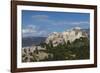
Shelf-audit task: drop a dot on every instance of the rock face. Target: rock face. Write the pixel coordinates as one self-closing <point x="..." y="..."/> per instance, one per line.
<point x="70" y="35"/>
<point x="30" y="54"/>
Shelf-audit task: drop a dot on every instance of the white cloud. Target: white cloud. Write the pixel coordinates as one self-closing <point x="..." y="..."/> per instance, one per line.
<point x="32" y="30"/>
<point x="31" y="26"/>
<point x="70" y="23"/>
<point x="81" y="22"/>
<point x="42" y="33"/>
<point x="29" y="29"/>
<point x="40" y="17"/>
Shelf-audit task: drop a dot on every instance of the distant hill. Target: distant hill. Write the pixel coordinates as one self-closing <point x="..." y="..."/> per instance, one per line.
<point x="29" y="41"/>
<point x="87" y="31"/>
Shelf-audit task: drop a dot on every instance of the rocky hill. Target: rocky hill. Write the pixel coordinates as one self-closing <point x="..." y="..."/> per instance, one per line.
<point x="71" y="44"/>
<point x="63" y="37"/>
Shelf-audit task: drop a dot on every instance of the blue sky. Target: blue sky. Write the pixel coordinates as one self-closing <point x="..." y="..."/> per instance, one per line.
<point x="42" y="23"/>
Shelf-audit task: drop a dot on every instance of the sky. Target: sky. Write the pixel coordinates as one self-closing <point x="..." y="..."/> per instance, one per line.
<point x="42" y="23"/>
